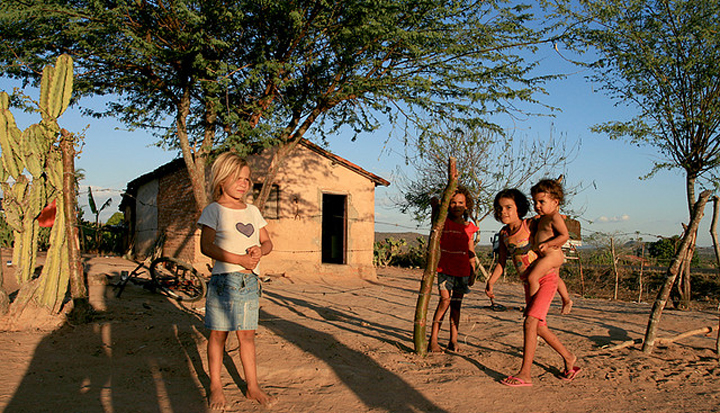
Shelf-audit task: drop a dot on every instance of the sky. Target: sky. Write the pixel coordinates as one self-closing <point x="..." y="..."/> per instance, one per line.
<point x="615" y="201"/>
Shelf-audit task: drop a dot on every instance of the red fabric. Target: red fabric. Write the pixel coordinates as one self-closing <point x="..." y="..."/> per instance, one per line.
<point x="47" y="216"/>
<point x="454" y="243"/>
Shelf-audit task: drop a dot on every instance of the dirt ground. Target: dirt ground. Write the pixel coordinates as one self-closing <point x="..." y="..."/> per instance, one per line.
<point x="327" y="345"/>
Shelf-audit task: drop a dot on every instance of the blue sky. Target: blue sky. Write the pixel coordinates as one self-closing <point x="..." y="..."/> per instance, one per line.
<point x="615" y="201"/>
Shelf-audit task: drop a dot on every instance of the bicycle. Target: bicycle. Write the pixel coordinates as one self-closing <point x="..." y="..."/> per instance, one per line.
<point x="170" y="276"/>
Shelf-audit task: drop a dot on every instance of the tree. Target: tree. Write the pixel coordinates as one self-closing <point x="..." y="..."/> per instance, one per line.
<point x="96" y="211"/>
<point x="488" y="161"/>
<point x="660" y="57"/>
<point x="250" y="74"/>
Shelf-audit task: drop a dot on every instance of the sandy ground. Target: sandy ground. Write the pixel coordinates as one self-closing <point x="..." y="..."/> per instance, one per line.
<point x="346" y="346"/>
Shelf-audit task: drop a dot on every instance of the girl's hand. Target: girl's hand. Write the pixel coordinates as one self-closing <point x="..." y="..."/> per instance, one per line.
<point x="248" y="261"/>
<point x="489" y="291"/>
<point x="255" y="252"/>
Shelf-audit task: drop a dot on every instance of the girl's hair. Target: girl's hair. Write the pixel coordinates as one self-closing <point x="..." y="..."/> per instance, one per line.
<point x="469" y="202"/>
<point x="227" y="166"/>
<point x="551" y="187"/>
<point x="521" y="202"/>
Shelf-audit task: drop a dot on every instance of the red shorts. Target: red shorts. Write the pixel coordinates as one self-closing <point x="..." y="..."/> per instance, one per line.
<point x="539" y="305"/>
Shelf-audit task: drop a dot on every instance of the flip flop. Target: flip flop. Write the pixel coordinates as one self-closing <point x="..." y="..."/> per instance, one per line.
<point x="496" y="307"/>
<point x="512" y="381"/>
<point x="569" y="375"/>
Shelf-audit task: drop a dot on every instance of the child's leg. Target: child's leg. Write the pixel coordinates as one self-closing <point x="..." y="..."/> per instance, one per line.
<point x="541" y="266"/>
<point x="550" y="338"/>
<point x="216" y="351"/>
<point x="567" y="303"/>
<point x="247" y="356"/>
<point x="442" y="307"/>
<point x="530" y="334"/>
<point x="455" y="304"/>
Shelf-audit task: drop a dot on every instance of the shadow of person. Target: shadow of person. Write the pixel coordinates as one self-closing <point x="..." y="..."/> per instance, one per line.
<point x="136" y="356"/>
<point x="354" y="368"/>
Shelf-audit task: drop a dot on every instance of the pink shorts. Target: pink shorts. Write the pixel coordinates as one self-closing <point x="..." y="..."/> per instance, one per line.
<point x="539" y="305"/>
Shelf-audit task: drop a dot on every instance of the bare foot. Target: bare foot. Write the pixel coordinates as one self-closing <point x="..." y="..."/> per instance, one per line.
<point x="435" y="348"/>
<point x="566" y="307"/>
<point x="569" y="364"/>
<point x="217" y="399"/>
<point x="454" y="347"/>
<point x="261" y="397"/>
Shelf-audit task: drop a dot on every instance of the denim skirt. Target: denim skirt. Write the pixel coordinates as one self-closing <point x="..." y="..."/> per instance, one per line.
<point x="233" y="302"/>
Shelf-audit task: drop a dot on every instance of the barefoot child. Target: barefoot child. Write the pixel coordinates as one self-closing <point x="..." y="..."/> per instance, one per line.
<point x="550" y="231"/>
<point x="233" y="234"/>
<point x="457" y="264"/>
<point x="510" y="207"/>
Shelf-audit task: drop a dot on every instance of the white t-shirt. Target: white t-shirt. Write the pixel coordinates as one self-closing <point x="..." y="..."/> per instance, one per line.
<point x="236" y="230"/>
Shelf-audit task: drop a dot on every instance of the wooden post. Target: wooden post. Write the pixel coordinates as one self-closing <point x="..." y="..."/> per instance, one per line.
<point x="433" y="256"/>
<point x="672" y="273"/>
<point x="81" y="304"/>
<point x="615" y="269"/>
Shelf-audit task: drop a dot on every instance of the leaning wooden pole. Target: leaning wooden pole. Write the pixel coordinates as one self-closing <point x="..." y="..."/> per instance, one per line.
<point x="713" y="234"/>
<point x="433" y="256"/>
<point x="672" y="273"/>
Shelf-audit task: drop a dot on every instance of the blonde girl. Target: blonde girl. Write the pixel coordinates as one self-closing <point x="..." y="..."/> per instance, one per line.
<point x="233" y="234"/>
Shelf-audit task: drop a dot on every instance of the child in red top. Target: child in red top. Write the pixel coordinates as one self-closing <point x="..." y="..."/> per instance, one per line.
<point x="456" y="267"/>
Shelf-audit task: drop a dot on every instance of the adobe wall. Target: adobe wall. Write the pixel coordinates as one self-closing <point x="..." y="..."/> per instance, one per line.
<point x="178" y="215"/>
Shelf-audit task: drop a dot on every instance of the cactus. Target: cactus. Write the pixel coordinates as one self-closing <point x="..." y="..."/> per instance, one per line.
<point x="36" y="151"/>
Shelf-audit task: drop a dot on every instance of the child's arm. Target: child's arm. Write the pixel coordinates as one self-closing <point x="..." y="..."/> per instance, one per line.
<point x="266" y="245"/>
<point x="497" y="271"/>
<point x="472" y="255"/>
<point x="561" y="234"/>
<point x="208" y="247"/>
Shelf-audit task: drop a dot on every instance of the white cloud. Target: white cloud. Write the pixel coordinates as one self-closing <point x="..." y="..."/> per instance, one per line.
<point x="621" y="218"/>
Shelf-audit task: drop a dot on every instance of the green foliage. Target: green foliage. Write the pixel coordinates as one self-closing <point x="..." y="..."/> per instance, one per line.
<point x="387" y="250"/>
<point x="397" y="252"/>
<point x="664" y="249"/>
<point x="250" y="74"/>
<point x="115" y="219"/>
<point x="659" y="57"/>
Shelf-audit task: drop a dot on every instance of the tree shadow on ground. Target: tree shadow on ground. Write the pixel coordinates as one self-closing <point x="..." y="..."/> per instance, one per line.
<point x="135" y="356"/>
<point x="353" y="367"/>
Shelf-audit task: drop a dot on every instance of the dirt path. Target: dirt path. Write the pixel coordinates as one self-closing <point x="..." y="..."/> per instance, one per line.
<point x="325" y="345"/>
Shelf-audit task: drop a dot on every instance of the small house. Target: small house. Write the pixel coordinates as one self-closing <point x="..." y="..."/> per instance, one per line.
<point x="320" y="214"/>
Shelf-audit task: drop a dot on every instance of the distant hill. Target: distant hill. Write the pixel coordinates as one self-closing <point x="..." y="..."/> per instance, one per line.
<point x="409" y="237"/>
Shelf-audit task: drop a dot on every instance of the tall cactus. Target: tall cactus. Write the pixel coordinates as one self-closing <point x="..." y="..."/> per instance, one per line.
<point x="31" y="177"/>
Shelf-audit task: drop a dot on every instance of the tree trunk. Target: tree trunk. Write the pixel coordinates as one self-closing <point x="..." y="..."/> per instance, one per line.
<point x="195" y="162"/>
<point x="81" y="304"/>
<point x="713" y="231"/>
<point x="433" y="256"/>
<point x="640" y="276"/>
<point x="4" y="298"/>
<point x="713" y="234"/>
<point x="683" y="286"/>
<point x="671" y="274"/>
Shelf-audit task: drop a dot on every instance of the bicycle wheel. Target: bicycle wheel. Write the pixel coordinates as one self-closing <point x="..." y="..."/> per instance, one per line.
<point x="177" y="279"/>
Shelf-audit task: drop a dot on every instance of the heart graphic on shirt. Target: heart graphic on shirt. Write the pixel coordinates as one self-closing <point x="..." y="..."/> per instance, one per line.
<point x="245" y="229"/>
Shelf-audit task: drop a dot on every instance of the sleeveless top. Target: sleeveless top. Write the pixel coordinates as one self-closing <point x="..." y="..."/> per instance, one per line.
<point x="519" y="246"/>
<point x="454" y="242"/>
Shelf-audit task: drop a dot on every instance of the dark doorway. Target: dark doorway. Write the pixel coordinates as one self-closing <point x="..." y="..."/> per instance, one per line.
<point x="333" y="228"/>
